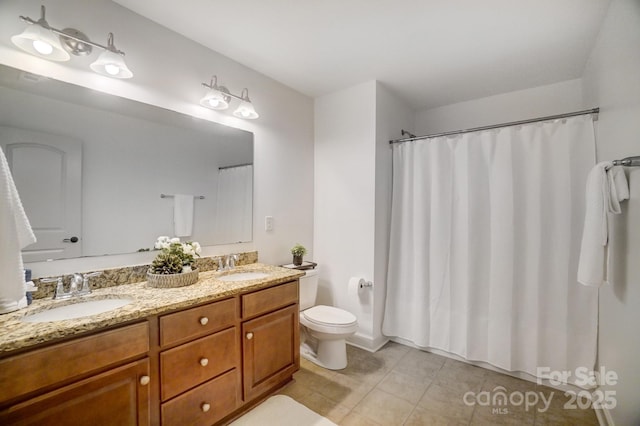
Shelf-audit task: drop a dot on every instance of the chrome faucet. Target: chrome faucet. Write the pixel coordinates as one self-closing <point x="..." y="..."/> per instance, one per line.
<point x="229" y="262"/>
<point x="79" y="285"/>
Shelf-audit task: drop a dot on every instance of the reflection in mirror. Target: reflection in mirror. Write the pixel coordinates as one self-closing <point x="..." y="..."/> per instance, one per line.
<point x="91" y="168"/>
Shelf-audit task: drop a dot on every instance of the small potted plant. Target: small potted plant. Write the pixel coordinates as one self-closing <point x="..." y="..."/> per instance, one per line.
<point x="173" y="266"/>
<point x="298" y="251"/>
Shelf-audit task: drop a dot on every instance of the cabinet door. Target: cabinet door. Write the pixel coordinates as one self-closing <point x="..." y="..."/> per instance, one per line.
<point x="271" y="352"/>
<point x="116" y="397"/>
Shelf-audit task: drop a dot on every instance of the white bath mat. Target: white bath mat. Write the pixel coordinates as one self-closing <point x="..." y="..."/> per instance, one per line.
<point x="280" y="410"/>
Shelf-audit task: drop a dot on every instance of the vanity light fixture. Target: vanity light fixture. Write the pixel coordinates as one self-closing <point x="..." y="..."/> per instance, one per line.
<point x="218" y="98"/>
<point x="44" y="41"/>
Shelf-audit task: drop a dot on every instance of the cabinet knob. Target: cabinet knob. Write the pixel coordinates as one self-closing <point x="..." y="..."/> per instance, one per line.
<point x="204" y="362"/>
<point x="205" y="407"/>
<point x="204" y="320"/>
<point x="144" y="380"/>
<point x="249" y="335"/>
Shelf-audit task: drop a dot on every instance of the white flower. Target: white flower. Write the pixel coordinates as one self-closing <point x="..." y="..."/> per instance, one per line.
<point x="196" y="247"/>
<point x="162" y="242"/>
<point x="174" y="240"/>
<point x="187" y="249"/>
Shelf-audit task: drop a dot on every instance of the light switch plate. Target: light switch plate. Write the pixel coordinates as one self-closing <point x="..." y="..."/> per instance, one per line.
<point x="268" y="223"/>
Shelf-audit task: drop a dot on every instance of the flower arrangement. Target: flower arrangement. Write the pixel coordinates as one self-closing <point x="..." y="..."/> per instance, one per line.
<point x="175" y="256"/>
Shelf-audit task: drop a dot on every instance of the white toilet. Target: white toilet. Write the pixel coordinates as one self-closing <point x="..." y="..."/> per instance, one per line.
<point x="323" y="328"/>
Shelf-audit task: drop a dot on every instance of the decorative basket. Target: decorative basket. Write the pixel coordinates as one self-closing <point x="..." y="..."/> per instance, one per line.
<point x="172" y="280"/>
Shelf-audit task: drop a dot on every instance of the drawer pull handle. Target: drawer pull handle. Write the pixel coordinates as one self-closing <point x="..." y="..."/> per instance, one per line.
<point x="204" y="320"/>
<point x="205" y="407"/>
<point x="144" y="380"/>
<point x="249" y="336"/>
<point x="204" y="362"/>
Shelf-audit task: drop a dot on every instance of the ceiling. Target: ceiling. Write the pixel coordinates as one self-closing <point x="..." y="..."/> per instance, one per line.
<point x="429" y="52"/>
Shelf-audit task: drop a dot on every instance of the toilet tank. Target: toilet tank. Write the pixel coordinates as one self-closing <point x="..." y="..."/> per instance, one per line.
<point x="308" y="289"/>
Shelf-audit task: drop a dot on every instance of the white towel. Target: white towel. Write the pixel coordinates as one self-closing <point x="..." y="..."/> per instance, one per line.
<point x="606" y="187"/>
<point x="183" y="215"/>
<point x="15" y="234"/>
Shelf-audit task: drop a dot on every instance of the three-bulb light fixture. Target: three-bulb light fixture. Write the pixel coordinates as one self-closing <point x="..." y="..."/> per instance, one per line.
<point x="44" y="41"/>
<point x="218" y="98"/>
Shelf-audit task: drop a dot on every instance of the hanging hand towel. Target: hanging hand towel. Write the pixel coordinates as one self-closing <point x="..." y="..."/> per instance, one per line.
<point x="183" y="215"/>
<point x="606" y="188"/>
<point x="15" y="234"/>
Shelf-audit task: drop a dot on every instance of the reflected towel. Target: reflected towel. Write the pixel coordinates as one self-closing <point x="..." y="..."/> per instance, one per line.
<point x="15" y="234"/>
<point x="606" y="187"/>
<point x="183" y="215"/>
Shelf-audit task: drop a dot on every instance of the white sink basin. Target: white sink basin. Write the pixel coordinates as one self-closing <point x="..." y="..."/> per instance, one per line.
<point x="244" y="276"/>
<point x="77" y="310"/>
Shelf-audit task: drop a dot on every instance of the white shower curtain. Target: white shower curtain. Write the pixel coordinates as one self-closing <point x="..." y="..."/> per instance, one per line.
<point x="485" y="234"/>
<point x="234" y="211"/>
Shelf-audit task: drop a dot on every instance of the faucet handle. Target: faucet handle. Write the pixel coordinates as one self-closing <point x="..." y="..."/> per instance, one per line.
<point x="220" y="264"/>
<point x="59" y="292"/>
<point x="86" y="289"/>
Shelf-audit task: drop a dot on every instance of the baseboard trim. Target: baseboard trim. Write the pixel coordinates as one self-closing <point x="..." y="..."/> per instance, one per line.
<point x="365" y="342"/>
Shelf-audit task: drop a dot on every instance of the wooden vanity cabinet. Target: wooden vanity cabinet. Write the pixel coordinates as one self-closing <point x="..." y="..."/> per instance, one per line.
<point x="198" y="366"/>
<point x="200" y="377"/>
<point x="271" y="340"/>
<point x="99" y="379"/>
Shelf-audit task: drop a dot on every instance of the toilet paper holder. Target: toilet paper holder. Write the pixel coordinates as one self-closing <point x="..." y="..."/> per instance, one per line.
<point x="362" y="283"/>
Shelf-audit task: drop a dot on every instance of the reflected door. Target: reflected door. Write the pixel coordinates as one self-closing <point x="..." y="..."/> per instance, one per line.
<point x="47" y="172"/>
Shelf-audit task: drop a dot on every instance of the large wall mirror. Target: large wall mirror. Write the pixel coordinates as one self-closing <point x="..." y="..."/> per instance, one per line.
<point x="99" y="174"/>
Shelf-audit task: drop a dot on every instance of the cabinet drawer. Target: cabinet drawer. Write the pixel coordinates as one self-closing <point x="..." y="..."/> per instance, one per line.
<point x="205" y="404"/>
<point x="190" y="364"/>
<point x="269" y="299"/>
<point x="41" y="368"/>
<point x="195" y="322"/>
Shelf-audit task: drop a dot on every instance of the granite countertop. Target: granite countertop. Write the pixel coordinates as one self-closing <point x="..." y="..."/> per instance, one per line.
<point x="147" y="301"/>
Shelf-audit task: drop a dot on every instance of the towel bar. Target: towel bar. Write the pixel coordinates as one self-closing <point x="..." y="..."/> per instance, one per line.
<point x="199" y="197"/>
<point x="629" y="161"/>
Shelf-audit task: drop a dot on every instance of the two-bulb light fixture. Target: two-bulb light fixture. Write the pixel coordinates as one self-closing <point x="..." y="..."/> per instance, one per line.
<point x="44" y="41"/>
<point x="218" y="98"/>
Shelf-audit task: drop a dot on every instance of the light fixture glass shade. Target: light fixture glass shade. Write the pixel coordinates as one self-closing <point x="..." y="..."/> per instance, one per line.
<point x="246" y="110"/>
<point x="41" y="42"/>
<point x="214" y="99"/>
<point x="111" y="64"/>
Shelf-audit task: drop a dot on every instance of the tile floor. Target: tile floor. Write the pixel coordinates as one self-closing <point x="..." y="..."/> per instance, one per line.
<point x="399" y="385"/>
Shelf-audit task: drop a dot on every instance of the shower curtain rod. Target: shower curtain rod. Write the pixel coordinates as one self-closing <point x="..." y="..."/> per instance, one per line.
<point x="495" y="126"/>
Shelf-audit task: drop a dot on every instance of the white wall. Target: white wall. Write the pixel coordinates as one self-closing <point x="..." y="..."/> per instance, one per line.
<point x="536" y="102"/>
<point x="392" y="115"/>
<point x="168" y="70"/>
<point x="344" y="227"/>
<point x="352" y="197"/>
<point x="612" y="81"/>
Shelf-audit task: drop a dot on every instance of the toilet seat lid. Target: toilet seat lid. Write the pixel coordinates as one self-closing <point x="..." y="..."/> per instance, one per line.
<point x="329" y="315"/>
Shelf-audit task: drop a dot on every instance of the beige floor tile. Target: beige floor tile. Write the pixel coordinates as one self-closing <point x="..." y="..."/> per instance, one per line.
<point x="380" y="389"/>
<point x="409" y="388"/>
<point x="423" y="417"/>
<point x="511" y="384"/>
<point x="460" y="376"/>
<point x="368" y="370"/>
<point x="384" y="408"/>
<point x="295" y="390"/>
<point x="325" y="407"/>
<point x="355" y="419"/>
<point x="391" y="353"/>
<point x="345" y="390"/>
<point x="446" y="401"/>
<point x="420" y="363"/>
